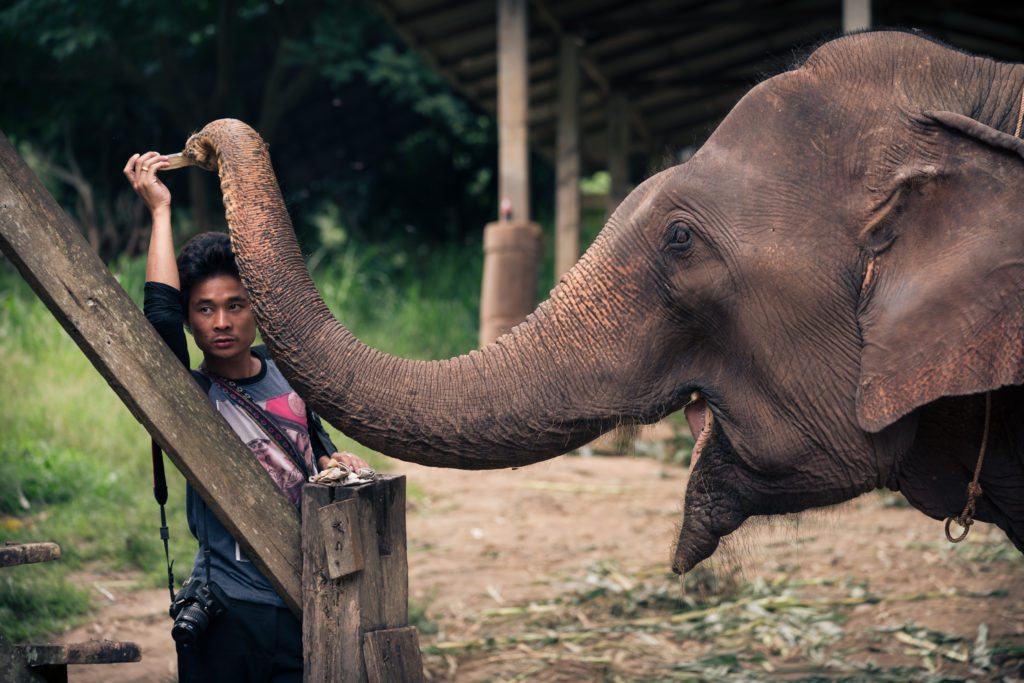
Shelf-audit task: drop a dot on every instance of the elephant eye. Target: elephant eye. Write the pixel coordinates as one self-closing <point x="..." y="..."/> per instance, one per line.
<point x="680" y="238"/>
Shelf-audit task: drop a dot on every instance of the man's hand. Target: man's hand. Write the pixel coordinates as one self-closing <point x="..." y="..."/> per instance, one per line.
<point x="350" y="460"/>
<point x="141" y="173"/>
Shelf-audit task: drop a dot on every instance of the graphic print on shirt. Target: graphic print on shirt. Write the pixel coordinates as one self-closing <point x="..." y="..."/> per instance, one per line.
<point x="282" y="410"/>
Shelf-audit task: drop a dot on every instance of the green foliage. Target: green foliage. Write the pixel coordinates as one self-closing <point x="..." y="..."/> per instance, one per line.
<point x="35" y="600"/>
<point x="34" y="473"/>
<point x="351" y="114"/>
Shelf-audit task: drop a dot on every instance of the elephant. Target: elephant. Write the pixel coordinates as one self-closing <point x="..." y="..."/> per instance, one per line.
<point x="831" y="287"/>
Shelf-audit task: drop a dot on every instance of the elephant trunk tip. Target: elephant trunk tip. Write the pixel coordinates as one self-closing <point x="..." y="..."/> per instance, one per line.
<point x="693" y="547"/>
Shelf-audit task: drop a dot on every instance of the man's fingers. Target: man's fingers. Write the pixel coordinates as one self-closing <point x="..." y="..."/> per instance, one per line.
<point x="153" y="167"/>
<point x="129" y="168"/>
<point x="351" y="460"/>
<point x="142" y="163"/>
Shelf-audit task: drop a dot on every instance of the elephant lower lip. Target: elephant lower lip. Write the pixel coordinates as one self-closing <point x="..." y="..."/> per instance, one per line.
<point x="699" y="419"/>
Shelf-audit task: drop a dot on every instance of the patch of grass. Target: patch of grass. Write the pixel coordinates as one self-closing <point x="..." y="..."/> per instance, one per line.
<point x="418" y="617"/>
<point x="36" y="600"/>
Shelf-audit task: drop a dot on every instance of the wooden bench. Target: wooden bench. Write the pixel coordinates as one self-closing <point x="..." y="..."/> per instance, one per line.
<point x="48" y="662"/>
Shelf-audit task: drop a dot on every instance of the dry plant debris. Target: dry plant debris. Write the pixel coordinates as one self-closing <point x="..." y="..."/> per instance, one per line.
<point x="609" y="624"/>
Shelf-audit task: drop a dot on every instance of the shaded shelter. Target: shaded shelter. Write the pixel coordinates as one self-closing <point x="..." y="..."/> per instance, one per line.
<point x="630" y="86"/>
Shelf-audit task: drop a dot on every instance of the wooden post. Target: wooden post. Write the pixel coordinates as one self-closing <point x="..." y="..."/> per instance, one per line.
<point x="53" y="257"/>
<point x="508" y="291"/>
<point x="513" y="103"/>
<point x="512" y="245"/>
<point x="355" y="581"/>
<point x="618" y="149"/>
<point x="567" y="199"/>
<point x="856" y="15"/>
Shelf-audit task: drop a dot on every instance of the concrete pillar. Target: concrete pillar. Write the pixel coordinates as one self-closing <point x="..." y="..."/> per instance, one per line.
<point x="567" y="197"/>
<point x="856" y="15"/>
<point x="511" y="245"/>
<point x="618" y="149"/>
<point x="509" y="290"/>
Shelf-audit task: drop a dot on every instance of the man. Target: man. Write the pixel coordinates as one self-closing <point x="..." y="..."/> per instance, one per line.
<point x="258" y="638"/>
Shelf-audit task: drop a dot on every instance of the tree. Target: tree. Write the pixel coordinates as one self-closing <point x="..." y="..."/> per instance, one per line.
<point x="351" y="116"/>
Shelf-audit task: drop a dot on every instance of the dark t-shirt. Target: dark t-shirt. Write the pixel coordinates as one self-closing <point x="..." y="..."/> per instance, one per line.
<point x="229" y="567"/>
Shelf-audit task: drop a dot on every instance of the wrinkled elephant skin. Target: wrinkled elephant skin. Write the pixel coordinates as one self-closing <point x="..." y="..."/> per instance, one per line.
<point x="831" y="285"/>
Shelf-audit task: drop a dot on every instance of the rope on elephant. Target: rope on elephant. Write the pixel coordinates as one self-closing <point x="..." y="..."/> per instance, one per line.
<point x="1020" y="115"/>
<point x="966" y="518"/>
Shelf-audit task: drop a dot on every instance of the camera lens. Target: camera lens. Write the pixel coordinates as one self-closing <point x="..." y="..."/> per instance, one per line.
<point x="190" y="624"/>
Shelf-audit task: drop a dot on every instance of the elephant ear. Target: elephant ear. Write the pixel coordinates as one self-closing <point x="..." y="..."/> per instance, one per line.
<point x="942" y="307"/>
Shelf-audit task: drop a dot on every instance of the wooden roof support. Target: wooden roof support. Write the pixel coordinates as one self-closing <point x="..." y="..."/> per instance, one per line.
<point x="513" y="102"/>
<point x="567" y="159"/>
<point x="53" y="257"/>
<point x="618" y="150"/>
<point x="590" y="68"/>
<point x="856" y="15"/>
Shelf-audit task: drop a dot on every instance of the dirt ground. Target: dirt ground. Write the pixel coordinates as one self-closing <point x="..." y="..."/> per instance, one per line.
<point x="559" y="572"/>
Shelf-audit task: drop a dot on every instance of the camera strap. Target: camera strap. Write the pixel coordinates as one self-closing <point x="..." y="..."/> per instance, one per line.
<point x="243" y="400"/>
<point x="160" y="493"/>
<point x="204" y="540"/>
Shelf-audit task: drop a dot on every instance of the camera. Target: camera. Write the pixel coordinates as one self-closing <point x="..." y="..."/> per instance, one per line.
<point x="193" y="607"/>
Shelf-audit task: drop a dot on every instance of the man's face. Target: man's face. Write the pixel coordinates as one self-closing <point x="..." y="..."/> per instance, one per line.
<point x="221" y="318"/>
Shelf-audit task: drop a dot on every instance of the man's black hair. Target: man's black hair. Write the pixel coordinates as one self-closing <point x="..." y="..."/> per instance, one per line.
<point x="206" y="255"/>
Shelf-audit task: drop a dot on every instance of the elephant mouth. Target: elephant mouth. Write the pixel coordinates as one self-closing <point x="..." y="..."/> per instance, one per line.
<point x="700" y="420"/>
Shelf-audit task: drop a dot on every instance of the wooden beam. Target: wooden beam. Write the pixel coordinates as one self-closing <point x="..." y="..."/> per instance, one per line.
<point x="618" y="150"/>
<point x="14" y="554"/>
<point x="567" y="160"/>
<point x="53" y="257"/>
<point x="513" y="100"/>
<point x="856" y="15"/>
<point x="591" y="68"/>
<point x="91" y="652"/>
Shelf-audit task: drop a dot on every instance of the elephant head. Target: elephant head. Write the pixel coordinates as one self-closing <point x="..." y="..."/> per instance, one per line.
<point x="844" y="254"/>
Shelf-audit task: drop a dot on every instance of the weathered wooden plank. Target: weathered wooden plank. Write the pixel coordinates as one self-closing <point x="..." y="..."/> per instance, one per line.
<point x="393" y="655"/>
<point x="13" y="554"/>
<point x="49" y="663"/>
<point x="330" y="623"/>
<point x="338" y="612"/>
<point x="13" y="668"/>
<point x="342" y="543"/>
<point x="91" y="652"/>
<point x="392" y="544"/>
<point x="53" y="257"/>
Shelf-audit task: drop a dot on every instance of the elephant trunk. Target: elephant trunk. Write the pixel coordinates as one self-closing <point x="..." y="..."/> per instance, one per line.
<point x="555" y="382"/>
